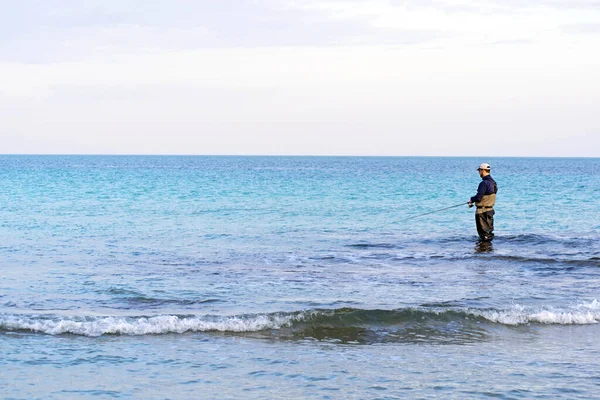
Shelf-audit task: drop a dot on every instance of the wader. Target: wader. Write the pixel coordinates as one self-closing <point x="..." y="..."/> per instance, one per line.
<point x="484" y="217"/>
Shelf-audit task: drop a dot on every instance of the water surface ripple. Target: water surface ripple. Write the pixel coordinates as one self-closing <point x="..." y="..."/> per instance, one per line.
<point x="296" y="277"/>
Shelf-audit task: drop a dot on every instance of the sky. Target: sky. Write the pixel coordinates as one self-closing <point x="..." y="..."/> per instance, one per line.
<point x="301" y="77"/>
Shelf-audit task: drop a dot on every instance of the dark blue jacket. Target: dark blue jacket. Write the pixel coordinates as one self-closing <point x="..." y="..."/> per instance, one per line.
<point x="487" y="186"/>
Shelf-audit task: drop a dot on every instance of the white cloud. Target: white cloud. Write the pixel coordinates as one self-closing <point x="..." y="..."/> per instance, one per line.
<point x="481" y="72"/>
<point x="374" y="100"/>
<point x="461" y="21"/>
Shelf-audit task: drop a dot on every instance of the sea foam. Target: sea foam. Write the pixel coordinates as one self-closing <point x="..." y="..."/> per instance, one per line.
<point x="161" y="324"/>
<point x="585" y="313"/>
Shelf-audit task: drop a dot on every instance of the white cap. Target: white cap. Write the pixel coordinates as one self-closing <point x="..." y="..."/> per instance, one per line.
<point x="485" y="166"/>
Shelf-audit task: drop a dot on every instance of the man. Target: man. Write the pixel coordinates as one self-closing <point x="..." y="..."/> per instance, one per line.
<point x="485" y="200"/>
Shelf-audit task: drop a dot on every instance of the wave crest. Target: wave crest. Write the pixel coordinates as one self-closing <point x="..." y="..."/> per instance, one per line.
<point x="155" y="325"/>
<point x="340" y="323"/>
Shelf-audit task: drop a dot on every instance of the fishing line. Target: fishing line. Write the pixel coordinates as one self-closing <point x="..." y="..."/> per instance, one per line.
<point x="434" y="211"/>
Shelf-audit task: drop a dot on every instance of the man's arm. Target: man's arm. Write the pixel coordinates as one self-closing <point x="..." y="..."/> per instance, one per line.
<point x="480" y="193"/>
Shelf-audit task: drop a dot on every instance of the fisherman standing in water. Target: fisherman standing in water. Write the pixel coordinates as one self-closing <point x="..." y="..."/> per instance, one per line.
<point x="485" y="200"/>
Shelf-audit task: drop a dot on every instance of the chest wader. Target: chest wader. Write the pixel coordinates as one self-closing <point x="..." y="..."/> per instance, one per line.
<point x="484" y="217"/>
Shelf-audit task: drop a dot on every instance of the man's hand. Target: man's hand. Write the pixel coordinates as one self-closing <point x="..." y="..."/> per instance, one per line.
<point x="470" y="204"/>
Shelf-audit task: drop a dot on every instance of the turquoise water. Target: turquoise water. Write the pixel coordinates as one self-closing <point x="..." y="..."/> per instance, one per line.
<point x="296" y="277"/>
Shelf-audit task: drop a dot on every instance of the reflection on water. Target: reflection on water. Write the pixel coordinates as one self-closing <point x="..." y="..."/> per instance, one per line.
<point x="438" y="334"/>
<point x="484" y="247"/>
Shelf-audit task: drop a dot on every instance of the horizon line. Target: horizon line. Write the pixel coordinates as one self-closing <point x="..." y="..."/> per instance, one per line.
<point x="278" y="155"/>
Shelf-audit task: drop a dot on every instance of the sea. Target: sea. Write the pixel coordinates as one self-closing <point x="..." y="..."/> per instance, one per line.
<point x="231" y="277"/>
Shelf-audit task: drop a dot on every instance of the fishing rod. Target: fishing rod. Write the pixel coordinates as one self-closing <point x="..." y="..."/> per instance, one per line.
<point x="431" y="212"/>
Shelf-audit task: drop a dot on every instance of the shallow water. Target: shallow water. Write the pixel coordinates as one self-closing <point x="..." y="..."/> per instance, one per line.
<point x="296" y="277"/>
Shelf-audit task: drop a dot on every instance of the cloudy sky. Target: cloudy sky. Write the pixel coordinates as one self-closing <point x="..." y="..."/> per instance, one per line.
<point x="339" y="77"/>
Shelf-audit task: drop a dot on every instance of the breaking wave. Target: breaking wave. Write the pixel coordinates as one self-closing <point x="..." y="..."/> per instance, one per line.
<point x="345" y="324"/>
<point x="153" y="325"/>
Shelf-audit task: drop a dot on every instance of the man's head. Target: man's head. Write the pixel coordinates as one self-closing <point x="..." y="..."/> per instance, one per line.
<point x="484" y="169"/>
